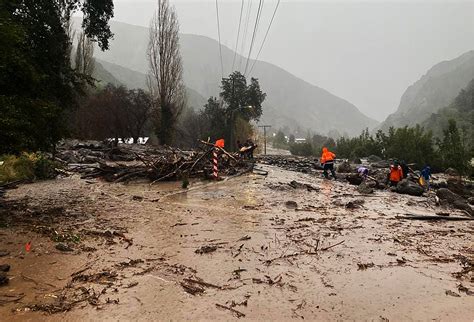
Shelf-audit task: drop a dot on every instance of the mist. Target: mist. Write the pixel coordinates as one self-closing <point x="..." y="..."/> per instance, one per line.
<point x="365" y="52"/>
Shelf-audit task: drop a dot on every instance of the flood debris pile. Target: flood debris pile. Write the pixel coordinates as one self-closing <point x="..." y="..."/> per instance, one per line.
<point x="130" y="162"/>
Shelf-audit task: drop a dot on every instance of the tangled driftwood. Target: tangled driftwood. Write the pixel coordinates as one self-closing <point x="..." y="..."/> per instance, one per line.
<point x="154" y="164"/>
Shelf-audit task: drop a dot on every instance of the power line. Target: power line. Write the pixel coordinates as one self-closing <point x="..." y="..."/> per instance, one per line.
<point x="253" y="35"/>
<point x="238" y="35"/>
<point x="265" y="38"/>
<point x="244" y="38"/>
<point x="219" y="34"/>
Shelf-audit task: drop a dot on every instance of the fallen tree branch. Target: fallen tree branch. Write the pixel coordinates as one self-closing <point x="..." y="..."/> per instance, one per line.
<point x="433" y="218"/>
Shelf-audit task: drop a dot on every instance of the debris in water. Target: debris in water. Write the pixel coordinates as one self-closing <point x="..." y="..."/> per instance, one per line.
<point x="206" y="249"/>
<point x="364" y="266"/>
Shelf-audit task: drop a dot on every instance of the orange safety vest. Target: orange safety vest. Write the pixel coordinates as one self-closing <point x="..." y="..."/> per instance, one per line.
<point x="327" y="156"/>
<point x="396" y="173"/>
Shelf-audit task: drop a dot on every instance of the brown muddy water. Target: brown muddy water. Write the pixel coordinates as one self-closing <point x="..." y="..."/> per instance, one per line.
<point x="251" y="247"/>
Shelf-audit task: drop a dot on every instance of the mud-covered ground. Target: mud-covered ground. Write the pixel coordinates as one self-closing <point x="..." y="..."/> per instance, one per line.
<point x="251" y="247"/>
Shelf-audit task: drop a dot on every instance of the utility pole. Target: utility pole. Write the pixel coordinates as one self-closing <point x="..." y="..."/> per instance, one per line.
<point x="265" y="137"/>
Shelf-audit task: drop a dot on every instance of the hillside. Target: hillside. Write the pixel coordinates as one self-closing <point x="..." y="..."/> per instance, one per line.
<point x="461" y="110"/>
<point x="118" y="75"/>
<point x="103" y="76"/>
<point x="290" y="101"/>
<point x="435" y="90"/>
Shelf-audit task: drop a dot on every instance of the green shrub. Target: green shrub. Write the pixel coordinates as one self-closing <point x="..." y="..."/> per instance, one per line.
<point x="26" y="166"/>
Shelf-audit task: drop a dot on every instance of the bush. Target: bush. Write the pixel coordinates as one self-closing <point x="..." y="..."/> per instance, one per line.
<point x="27" y="166"/>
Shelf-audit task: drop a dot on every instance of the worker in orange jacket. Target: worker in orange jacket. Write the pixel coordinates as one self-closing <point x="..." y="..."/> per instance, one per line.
<point x="327" y="161"/>
<point x="396" y="173"/>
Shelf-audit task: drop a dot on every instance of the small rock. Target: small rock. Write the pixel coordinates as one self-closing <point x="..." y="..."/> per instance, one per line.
<point x="291" y="204"/>
<point x="354" y="204"/>
<point x="470" y="200"/>
<point x="3" y="278"/>
<point x="137" y="198"/>
<point x="4" y="253"/>
<point x="4" y="268"/>
<point x="356" y="161"/>
<point x="354" y="179"/>
<point x="363" y="188"/>
<point x="344" y="167"/>
<point x="64" y="247"/>
<point x="364" y="266"/>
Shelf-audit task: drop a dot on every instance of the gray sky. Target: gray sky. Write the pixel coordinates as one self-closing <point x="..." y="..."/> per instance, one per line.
<point x="367" y="52"/>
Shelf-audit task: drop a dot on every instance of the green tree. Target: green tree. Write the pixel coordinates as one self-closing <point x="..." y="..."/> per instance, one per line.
<point x="37" y="82"/>
<point x="279" y="140"/>
<point x="240" y="103"/>
<point x="454" y="153"/>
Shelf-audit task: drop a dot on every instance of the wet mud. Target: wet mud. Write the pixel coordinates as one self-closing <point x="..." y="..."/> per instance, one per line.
<point x="251" y="247"/>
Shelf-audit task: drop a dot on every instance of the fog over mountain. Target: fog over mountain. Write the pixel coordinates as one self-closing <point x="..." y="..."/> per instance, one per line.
<point x="434" y="90"/>
<point x="291" y="101"/>
<point x="365" y="52"/>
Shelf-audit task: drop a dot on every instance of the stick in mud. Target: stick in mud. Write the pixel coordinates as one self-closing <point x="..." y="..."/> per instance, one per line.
<point x="237" y="313"/>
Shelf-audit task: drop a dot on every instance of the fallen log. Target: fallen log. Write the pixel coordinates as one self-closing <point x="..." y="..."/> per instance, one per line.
<point x="433" y="218"/>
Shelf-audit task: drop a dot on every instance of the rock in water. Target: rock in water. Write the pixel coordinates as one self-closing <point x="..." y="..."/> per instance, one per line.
<point x="451" y="172"/>
<point x="344" y="167"/>
<point x="3" y="278"/>
<point x="4" y="268"/>
<point x="448" y="195"/>
<point x="381" y="164"/>
<point x="409" y="188"/>
<point x="374" y="158"/>
<point x="291" y="204"/>
<point x="363" y="188"/>
<point x="471" y="201"/>
<point x="354" y="179"/>
<point x="455" y="200"/>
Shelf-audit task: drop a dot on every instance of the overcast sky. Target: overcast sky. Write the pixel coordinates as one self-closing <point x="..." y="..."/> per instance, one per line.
<point x="367" y="52"/>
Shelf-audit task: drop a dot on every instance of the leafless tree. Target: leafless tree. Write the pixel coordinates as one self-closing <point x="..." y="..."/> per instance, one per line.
<point x="165" y="77"/>
<point x="84" y="60"/>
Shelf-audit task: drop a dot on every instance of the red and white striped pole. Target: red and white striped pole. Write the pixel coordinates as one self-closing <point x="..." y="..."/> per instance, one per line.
<point x="214" y="163"/>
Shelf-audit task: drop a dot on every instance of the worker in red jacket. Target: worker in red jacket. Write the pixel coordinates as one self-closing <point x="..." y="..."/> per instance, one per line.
<point x="327" y="161"/>
<point x="396" y="173"/>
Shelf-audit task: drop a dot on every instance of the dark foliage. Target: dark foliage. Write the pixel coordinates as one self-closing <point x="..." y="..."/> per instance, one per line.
<point x="37" y="83"/>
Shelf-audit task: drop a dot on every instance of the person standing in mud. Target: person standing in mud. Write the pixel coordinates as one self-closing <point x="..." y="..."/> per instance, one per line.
<point x="426" y="175"/>
<point x="396" y="173"/>
<point x="327" y="161"/>
<point x="405" y="169"/>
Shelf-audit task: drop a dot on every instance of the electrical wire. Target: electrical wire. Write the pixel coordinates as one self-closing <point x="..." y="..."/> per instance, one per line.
<point x="219" y="35"/>
<point x="244" y="38"/>
<point x="265" y="38"/>
<point x="238" y="35"/>
<point x="253" y="35"/>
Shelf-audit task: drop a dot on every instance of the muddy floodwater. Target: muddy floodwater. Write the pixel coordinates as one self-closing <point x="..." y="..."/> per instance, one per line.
<point x="251" y="247"/>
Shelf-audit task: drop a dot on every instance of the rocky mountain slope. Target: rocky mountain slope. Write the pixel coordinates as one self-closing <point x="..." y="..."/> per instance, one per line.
<point x="433" y="91"/>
